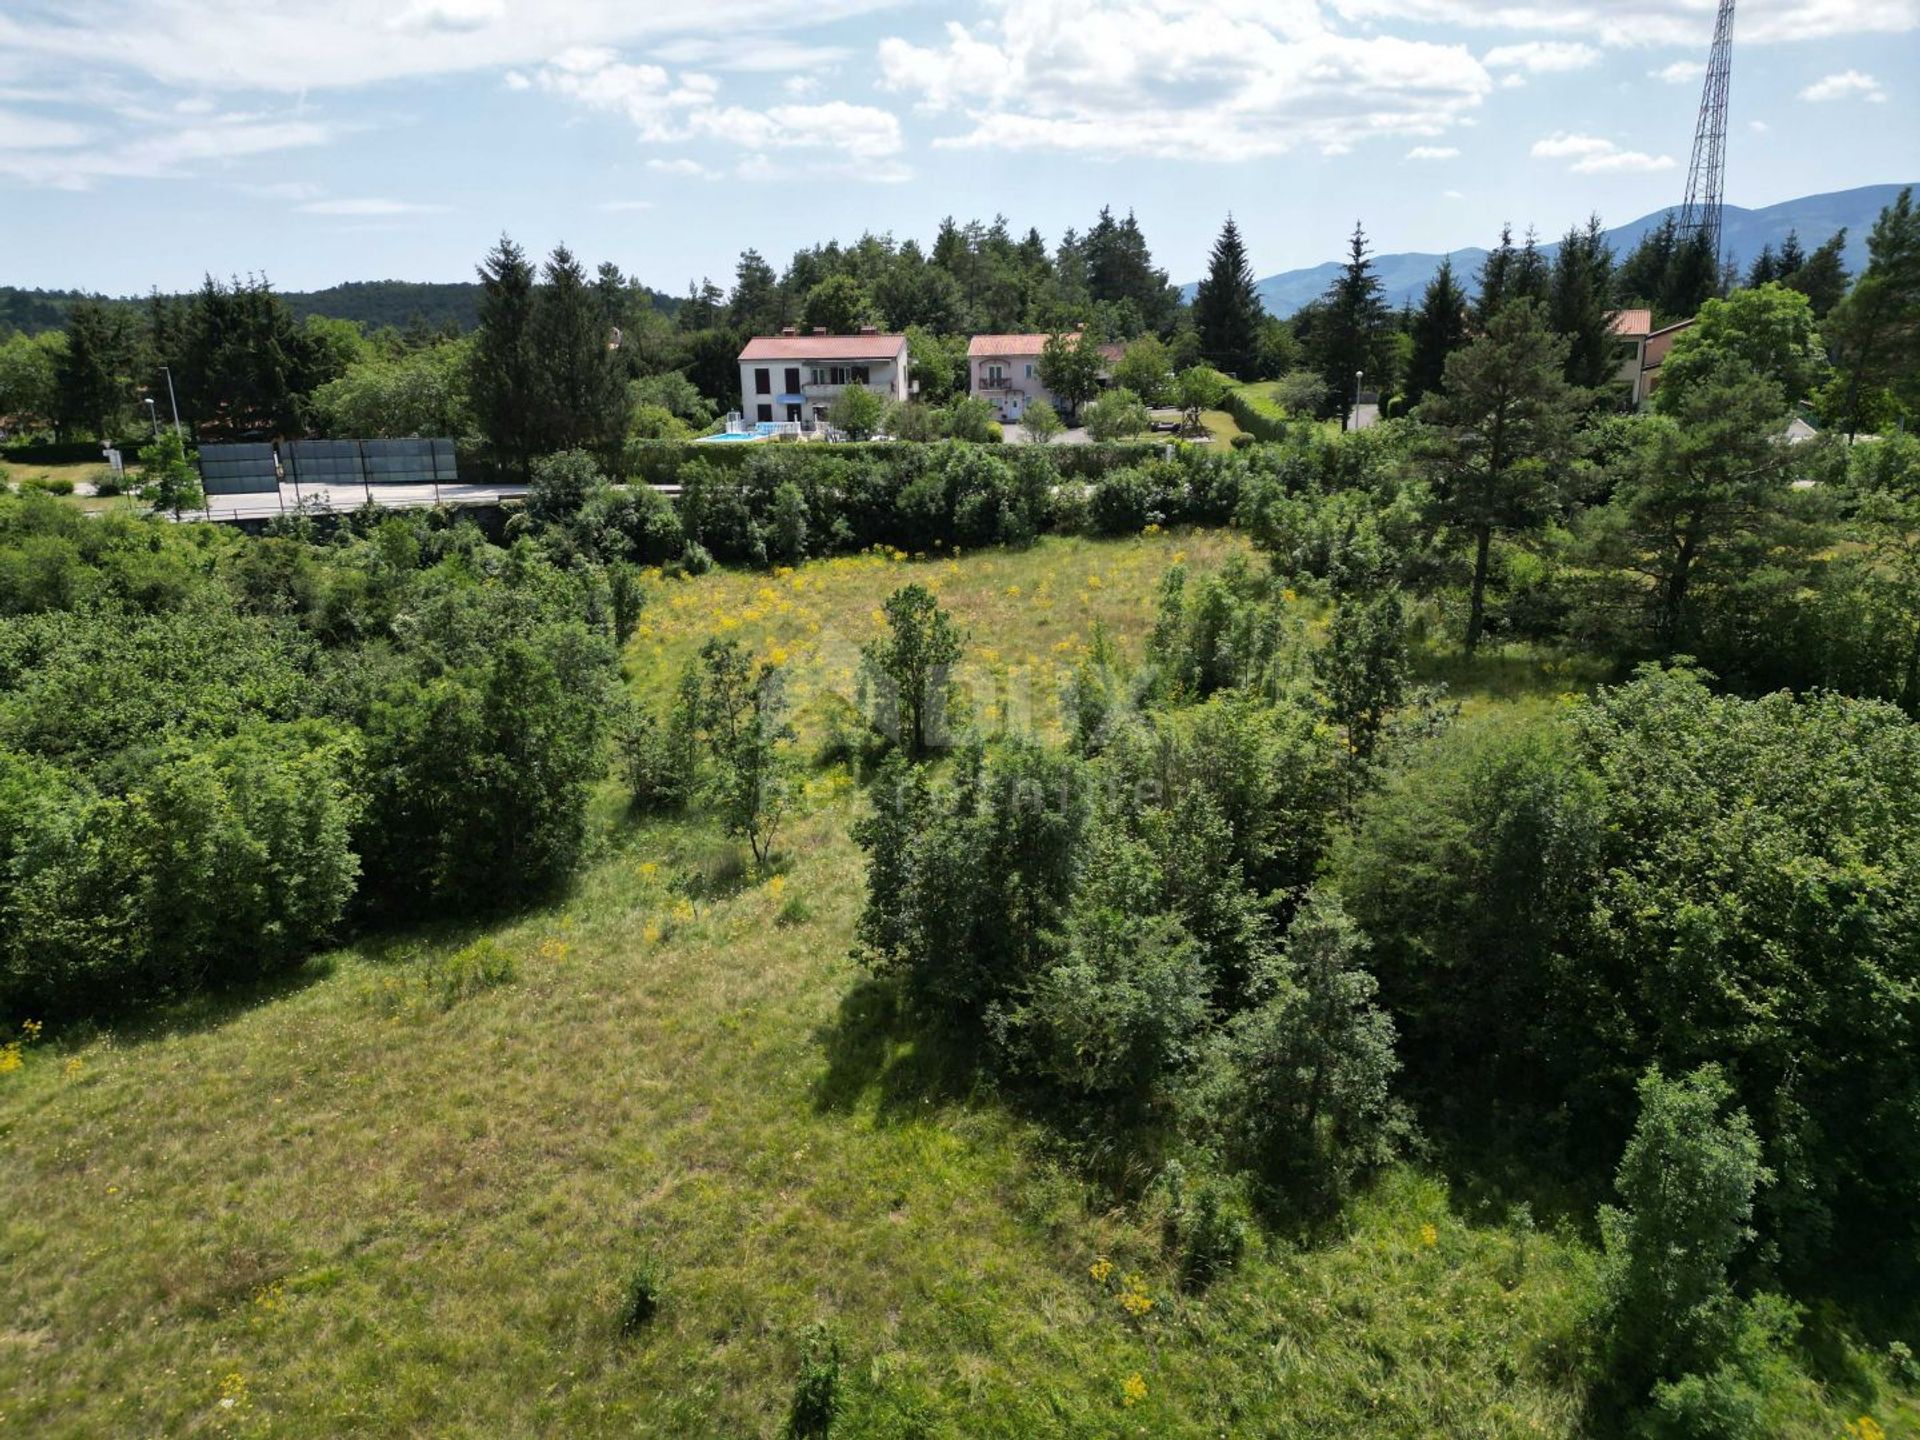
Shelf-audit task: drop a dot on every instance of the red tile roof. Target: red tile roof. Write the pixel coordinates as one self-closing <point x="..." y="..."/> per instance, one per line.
<point x="1631" y="323"/>
<point x="824" y="347"/>
<point x="997" y="347"/>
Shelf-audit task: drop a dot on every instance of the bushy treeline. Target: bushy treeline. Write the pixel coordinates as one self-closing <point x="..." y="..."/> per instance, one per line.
<point x="213" y="749"/>
<point x="1271" y="905"/>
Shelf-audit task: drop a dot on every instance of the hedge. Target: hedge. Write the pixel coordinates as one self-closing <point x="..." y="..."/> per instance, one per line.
<point x="1254" y="417"/>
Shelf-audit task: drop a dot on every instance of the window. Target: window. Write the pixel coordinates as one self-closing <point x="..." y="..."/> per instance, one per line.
<point x="793" y="381"/>
<point x="996" y="377"/>
<point x="763" y="381"/>
<point x="1029" y="372"/>
<point x="765" y="412"/>
<point x="859" y="374"/>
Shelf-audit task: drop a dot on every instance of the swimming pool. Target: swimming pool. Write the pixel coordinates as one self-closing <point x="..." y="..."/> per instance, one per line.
<point x="729" y="435"/>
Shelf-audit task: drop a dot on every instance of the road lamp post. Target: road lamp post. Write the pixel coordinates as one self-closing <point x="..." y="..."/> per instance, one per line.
<point x="153" y="415"/>
<point x="1352" y="418"/>
<point x="172" y="400"/>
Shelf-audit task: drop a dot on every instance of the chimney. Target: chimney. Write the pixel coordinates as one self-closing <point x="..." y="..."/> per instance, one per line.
<point x="819" y="329"/>
<point x="869" y="329"/>
<point x="790" y="330"/>
<point x="1080" y="328"/>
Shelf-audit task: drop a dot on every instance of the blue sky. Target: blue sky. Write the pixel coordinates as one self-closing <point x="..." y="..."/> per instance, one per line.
<point x="142" y="143"/>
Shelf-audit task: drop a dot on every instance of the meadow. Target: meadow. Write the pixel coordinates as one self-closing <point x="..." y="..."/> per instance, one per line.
<point x="405" y="1190"/>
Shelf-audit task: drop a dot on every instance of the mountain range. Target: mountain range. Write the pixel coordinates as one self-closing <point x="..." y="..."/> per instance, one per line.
<point x="1743" y="232"/>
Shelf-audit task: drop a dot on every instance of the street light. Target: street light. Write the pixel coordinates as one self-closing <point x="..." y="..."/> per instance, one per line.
<point x="1352" y="418"/>
<point x="172" y="399"/>
<point x="153" y="414"/>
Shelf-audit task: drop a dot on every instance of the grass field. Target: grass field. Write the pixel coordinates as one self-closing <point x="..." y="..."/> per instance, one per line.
<point x="388" y="1198"/>
<point x="15" y="474"/>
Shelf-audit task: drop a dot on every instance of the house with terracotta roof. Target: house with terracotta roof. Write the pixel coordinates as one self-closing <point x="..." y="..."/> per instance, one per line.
<point x="1004" y="370"/>
<point x="1641" y="348"/>
<point x="791" y="376"/>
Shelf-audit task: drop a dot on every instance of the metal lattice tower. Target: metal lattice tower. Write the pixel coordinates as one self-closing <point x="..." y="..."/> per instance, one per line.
<point x="1707" y="176"/>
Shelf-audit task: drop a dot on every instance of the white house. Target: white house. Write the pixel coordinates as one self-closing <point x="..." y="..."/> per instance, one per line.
<point x="1641" y="349"/>
<point x="1004" y="370"/>
<point x="791" y="376"/>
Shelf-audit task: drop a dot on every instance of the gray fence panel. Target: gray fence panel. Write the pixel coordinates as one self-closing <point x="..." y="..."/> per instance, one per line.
<point x="324" y="462"/>
<point x="408" y="462"/>
<point x="246" y="469"/>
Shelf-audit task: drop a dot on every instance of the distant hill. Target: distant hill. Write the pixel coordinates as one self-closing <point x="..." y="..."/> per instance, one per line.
<point x="1743" y="233"/>
<point x="373" y="303"/>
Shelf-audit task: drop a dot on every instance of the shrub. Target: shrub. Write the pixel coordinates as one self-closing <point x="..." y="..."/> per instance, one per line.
<point x="1686" y="1185"/>
<point x="907" y="675"/>
<point x="1304" y="1099"/>
<point x="470" y="970"/>
<point x="1207" y="1224"/>
<point x="1116" y="415"/>
<point x="816" y="1396"/>
<point x="49" y="484"/>
<point x="562" y="484"/>
<point x="640" y="1301"/>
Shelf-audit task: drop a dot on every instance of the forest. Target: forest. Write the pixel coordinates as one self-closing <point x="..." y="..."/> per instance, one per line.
<point x="1409" y="928"/>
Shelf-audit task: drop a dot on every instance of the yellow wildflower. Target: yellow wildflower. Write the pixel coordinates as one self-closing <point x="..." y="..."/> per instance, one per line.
<point x="1179" y="557"/>
<point x="777" y="884"/>
<point x="9" y="1058"/>
<point x="649" y="869"/>
<point x="1100" y="1270"/>
<point x="878" y="616"/>
<point x="30" y="1030"/>
<point x="1429" y="1235"/>
<point x="778" y="655"/>
<point x="1867" y="1428"/>
<point x="1133" y="1390"/>
<point x="652" y="933"/>
<point x="74" y="1066"/>
<point x="1013" y="591"/>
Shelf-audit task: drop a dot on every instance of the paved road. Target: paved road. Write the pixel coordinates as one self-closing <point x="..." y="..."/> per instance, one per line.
<point x="337" y="498"/>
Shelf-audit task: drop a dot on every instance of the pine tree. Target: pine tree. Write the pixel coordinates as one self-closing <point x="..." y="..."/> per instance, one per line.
<point x="1496" y="279"/>
<point x="1823" y="277"/>
<point x="1226" y="309"/>
<point x="504" y="381"/>
<point x="1495" y="433"/>
<point x="1792" y="257"/>
<point x="1439" y="329"/>
<point x="1765" y="268"/>
<point x="1579" y="305"/>
<point x="1876" y="330"/>
<point x="1532" y="279"/>
<point x="1348" y="340"/>
<point x="93" y="381"/>
<point x="582" y="396"/>
<point x="754" y="306"/>
<point x="1642" y="280"/>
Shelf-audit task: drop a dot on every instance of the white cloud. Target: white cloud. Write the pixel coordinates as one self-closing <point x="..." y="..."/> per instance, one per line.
<point x="665" y="108"/>
<point x="35" y="132"/>
<point x="1758" y="127"/>
<point x="691" y="168"/>
<point x="1594" y="155"/>
<point x="1178" y="78"/>
<point x="298" y="46"/>
<point x="1846" y="85"/>
<point x="369" y="205"/>
<point x="1542" y="57"/>
<point x="1433" y="152"/>
<point x="1680" y="72"/>
<point x="622" y="206"/>
<point x="1622" y="23"/>
<point x="138" y="149"/>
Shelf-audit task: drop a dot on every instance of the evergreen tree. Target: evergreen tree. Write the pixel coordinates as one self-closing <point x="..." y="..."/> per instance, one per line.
<point x="1642" y="280"/>
<point x="93" y="380"/>
<point x="1120" y="270"/>
<point x="505" y="382"/>
<point x="1792" y="256"/>
<point x="1532" y="279"/>
<point x="1226" y="311"/>
<point x="1499" y="426"/>
<point x="1692" y="278"/>
<point x="1876" y="329"/>
<point x="1439" y="329"/>
<point x="754" y="306"/>
<point x="1822" y="278"/>
<point x="1496" y="279"/>
<point x="1579" y="306"/>
<point x="582" y="400"/>
<point x="1348" y="338"/>
<point x="1765" y="268"/>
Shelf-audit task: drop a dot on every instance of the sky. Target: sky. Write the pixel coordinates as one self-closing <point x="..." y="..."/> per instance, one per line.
<point x="146" y="142"/>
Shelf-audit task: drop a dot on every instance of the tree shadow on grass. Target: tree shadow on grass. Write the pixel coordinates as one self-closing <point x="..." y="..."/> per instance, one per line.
<point x="873" y="1044"/>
